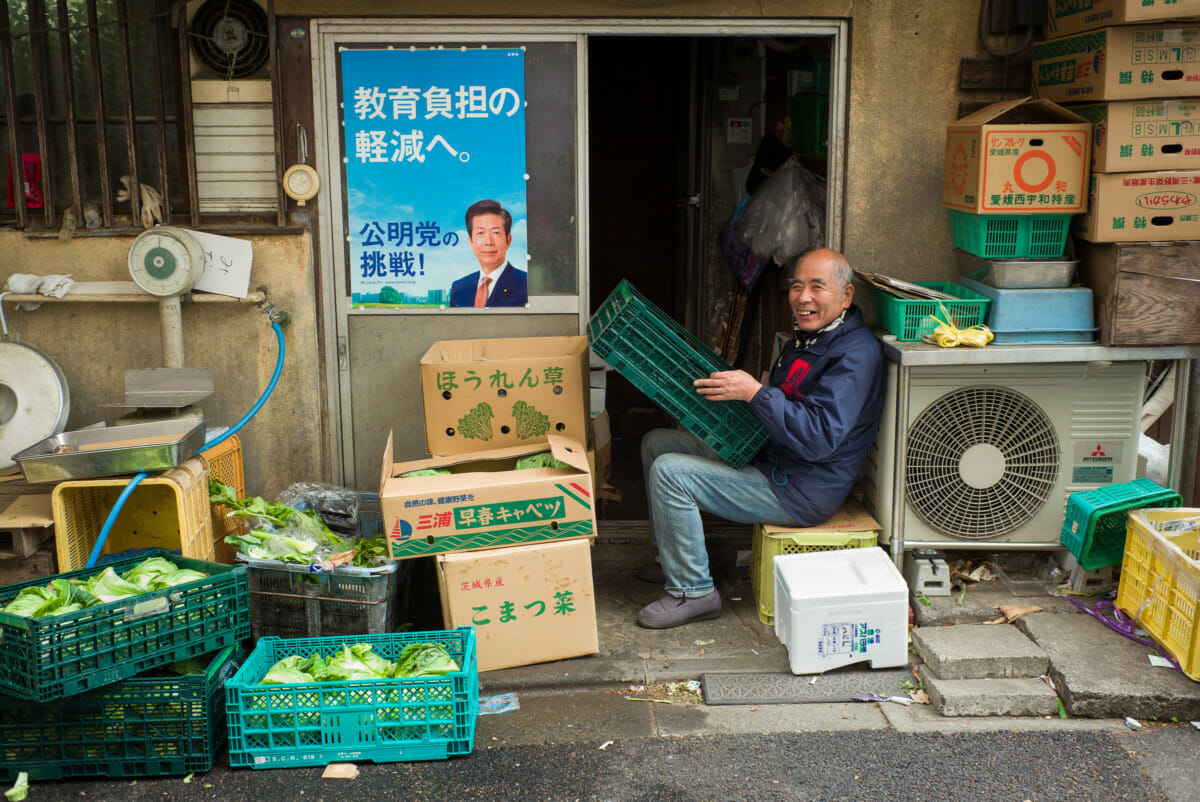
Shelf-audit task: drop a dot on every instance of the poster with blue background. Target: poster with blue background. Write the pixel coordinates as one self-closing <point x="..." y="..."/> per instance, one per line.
<point x="428" y="133"/>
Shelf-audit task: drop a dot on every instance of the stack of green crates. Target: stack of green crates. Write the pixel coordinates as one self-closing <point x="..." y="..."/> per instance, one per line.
<point x="663" y="359"/>
<point x="85" y="693"/>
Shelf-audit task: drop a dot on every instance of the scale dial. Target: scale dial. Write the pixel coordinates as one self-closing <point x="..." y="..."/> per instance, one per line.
<point x="301" y="183"/>
<point x="166" y="261"/>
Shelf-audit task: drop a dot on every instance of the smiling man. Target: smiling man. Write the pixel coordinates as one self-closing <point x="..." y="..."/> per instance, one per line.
<point x="496" y="283"/>
<point x="821" y="409"/>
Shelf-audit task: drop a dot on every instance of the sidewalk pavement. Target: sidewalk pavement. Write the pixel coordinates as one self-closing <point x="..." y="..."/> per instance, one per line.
<point x="1097" y="673"/>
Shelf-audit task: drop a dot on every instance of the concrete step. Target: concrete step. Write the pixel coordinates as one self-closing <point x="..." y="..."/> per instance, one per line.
<point x="1007" y="696"/>
<point x="1100" y="674"/>
<point x="979" y="651"/>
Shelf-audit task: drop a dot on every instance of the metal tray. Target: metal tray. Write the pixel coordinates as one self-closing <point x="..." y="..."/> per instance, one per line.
<point x="1017" y="274"/>
<point x="112" y="450"/>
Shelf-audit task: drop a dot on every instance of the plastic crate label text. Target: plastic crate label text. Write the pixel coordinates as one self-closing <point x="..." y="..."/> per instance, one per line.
<point x="563" y="604"/>
<point x="840" y="639"/>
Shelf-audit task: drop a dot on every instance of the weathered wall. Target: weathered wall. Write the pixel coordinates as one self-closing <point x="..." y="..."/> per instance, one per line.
<point x="95" y="343"/>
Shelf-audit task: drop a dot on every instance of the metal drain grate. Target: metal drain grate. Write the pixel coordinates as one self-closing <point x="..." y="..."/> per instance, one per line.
<point x="843" y="685"/>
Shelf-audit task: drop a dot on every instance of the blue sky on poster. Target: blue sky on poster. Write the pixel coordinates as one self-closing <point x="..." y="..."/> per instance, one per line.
<point x="428" y="133"/>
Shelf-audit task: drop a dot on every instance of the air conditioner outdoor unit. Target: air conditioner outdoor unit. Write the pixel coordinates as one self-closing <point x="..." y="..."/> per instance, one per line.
<point x="993" y="451"/>
<point x="232" y="113"/>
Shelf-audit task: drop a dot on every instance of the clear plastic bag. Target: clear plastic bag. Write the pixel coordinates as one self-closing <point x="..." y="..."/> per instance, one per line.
<point x="786" y="216"/>
<point x="337" y="506"/>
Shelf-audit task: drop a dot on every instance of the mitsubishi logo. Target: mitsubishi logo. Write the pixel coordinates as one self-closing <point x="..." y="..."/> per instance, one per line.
<point x="1099" y="452"/>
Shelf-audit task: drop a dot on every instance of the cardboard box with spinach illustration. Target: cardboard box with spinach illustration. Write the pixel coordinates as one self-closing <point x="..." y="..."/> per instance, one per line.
<point x="486" y="394"/>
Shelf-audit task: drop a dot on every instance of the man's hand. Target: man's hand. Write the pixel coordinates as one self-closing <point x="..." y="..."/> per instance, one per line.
<point x="728" y="385"/>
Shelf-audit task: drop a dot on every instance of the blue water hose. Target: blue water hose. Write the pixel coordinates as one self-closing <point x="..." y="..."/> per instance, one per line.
<point x="232" y="430"/>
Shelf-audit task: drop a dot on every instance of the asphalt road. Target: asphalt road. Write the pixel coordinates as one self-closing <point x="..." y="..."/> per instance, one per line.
<point x="873" y="765"/>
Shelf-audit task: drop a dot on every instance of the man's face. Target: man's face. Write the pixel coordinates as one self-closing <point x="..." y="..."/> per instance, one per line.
<point x="489" y="241"/>
<point x="814" y="295"/>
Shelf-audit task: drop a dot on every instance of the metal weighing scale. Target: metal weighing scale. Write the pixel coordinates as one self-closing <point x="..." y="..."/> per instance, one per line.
<point x="165" y="261"/>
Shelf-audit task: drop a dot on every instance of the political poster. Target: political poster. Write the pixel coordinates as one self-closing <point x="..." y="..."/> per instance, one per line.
<point x="432" y="136"/>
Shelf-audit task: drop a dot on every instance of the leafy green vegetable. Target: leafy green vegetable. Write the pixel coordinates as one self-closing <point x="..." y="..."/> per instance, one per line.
<point x="425" y="472"/>
<point x="530" y="422"/>
<point x="542" y="460"/>
<point x="371" y="551"/>
<point x="357" y="662"/>
<point x="19" y="789"/>
<point x="424" y="660"/>
<point x="477" y="424"/>
<point x="64" y="596"/>
<point x="282" y="532"/>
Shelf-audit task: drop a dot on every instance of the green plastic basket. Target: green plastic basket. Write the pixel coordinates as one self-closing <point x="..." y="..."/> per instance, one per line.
<point x="1006" y="236"/>
<point x="56" y="656"/>
<point x="910" y="320"/>
<point x="380" y="720"/>
<point x="662" y="359"/>
<point x="1094" y="528"/>
<point x="148" y="725"/>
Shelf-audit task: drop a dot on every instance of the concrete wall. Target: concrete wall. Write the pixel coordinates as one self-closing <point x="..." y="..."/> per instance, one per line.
<point x="95" y="343"/>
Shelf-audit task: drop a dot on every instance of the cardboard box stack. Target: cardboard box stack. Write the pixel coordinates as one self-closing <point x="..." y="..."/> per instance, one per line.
<point x="1015" y="174"/>
<point x="1130" y="68"/>
<point x="512" y="543"/>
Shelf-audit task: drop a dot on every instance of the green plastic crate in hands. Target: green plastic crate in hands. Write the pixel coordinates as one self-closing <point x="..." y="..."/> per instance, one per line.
<point x="140" y="727"/>
<point x="912" y="319"/>
<point x="1009" y="236"/>
<point x="1094" y="528"/>
<point x="63" y="655"/>
<point x="662" y="359"/>
<point x="381" y="720"/>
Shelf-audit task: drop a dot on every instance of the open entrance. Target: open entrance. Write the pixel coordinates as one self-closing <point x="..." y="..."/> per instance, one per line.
<point x="681" y="129"/>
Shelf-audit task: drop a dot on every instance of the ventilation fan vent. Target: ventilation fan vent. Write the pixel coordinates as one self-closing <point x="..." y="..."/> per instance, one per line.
<point x="981" y="462"/>
<point x="231" y="37"/>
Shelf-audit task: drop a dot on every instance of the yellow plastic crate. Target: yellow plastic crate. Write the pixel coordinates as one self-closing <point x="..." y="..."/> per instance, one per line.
<point x="852" y="528"/>
<point x="1160" y="582"/>
<point x="169" y="510"/>
<point x="225" y="463"/>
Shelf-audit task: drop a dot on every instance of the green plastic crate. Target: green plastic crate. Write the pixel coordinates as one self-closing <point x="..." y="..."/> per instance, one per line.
<point x="1007" y="236"/>
<point x="144" y="726"/>
<point x="662" y="359"/>
<point x="381" y="720"/>
<point x="49" y="658"/>
<point x="1094" y="528"/>
<point x="910" y="319"/>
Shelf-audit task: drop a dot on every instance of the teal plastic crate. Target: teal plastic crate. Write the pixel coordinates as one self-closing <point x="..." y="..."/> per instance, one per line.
<point x="1006" y="236"/>
<point x="662" y="359"/>
<point x="149" y="725"/>
<point x="63" y="655"/>
<point x="1094" y="527"/>
<point x="381" y="720"/>
<point x="911" y="319"/>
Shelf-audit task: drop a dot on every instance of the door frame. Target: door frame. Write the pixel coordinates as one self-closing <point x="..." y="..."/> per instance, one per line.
<point x="326" y="34"/>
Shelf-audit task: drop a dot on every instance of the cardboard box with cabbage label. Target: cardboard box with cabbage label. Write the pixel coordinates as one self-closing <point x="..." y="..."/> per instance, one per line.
<point x="483" y="500"/>
<point x="528" y="604"/>
<point x="1130" y="63"/>
<point x="1072" y="16"/>
<point x="1017" y="157"/>
<point x="1142" y="207"/>
<point x="485" y="394"/>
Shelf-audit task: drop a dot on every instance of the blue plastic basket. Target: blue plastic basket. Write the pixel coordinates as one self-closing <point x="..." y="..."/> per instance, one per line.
<point x="662" y="359"/>
<point x="380" y="720"/>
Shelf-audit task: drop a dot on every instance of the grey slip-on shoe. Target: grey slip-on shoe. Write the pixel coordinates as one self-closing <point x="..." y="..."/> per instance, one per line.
<point x="670" y="612"/>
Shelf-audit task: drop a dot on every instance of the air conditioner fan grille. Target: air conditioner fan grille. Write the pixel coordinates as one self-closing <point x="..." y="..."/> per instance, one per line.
<point x="981" y="462"/>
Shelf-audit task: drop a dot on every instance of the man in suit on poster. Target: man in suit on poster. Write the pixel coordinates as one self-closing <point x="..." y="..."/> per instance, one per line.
<point x="496" y="283"/>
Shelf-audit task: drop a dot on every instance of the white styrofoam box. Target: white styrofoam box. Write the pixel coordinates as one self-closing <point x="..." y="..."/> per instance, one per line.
<point x="598" y="384"/>
<point x="834" y="608"/>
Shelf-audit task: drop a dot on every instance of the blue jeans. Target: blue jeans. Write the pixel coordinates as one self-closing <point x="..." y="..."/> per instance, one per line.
<point x="684" y="477"/>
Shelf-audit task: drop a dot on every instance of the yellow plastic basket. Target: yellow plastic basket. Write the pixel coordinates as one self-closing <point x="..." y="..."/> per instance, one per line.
<point x="772" y="541"/>
<point x="1160" y="582"/>
<point x="169" y="510"/>
<point x="225" y="463"/>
